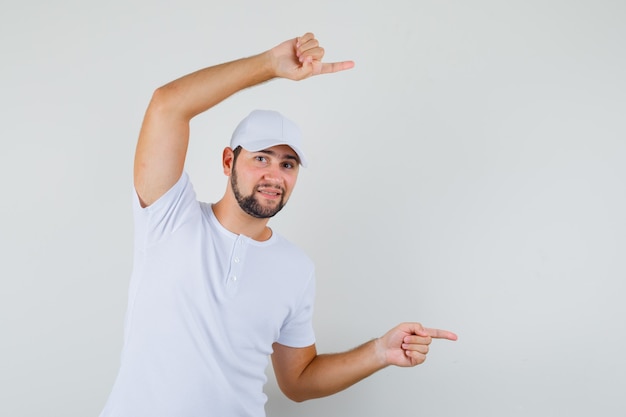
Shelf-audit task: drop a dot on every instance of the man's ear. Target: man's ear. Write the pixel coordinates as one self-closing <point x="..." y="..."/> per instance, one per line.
<point x="228" y="160"/>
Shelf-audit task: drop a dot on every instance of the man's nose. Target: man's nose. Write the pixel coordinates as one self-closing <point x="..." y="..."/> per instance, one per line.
<point x="273" y="174"/>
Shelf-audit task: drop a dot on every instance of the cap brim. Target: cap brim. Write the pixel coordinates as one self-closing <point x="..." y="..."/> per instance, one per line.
<point x="261" y="144"/>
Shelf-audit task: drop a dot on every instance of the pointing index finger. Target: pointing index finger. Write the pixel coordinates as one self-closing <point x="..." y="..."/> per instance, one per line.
<point x="330" y="67"/>
<point x="440" y="334"/>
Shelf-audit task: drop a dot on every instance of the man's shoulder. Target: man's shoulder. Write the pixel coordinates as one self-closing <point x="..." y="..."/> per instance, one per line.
<point x="291" y="251"/>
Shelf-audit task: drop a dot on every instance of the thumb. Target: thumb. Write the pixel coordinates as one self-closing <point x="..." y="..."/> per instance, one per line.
<point x="420" y="331"/>
<point x="306" y="69"/>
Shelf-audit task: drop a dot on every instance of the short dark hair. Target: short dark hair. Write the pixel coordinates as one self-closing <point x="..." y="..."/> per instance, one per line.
<point x="236" y="153"/>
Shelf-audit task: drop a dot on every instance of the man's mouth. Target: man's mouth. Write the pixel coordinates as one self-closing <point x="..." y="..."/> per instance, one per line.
<point x="270" y="192"/>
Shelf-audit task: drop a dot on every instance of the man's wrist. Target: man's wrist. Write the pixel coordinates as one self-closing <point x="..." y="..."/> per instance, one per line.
<point x="269" y="64"/>
<point x="380" y="352"/>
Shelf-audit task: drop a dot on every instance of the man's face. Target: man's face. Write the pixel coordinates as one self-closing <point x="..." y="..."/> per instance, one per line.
<point x="262" y="181"/>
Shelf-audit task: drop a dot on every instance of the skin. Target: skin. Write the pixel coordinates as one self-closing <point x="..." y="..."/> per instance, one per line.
<point x="269" y="176"/>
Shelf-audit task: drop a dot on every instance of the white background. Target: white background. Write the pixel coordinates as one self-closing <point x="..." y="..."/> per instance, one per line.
<point x="468" y="173"/>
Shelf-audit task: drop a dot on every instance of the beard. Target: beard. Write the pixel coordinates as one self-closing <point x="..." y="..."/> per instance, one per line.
<point x="251" y="205"/>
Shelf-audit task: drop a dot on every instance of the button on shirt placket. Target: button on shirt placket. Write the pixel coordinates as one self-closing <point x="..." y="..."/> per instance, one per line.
<point x="236" y="263"/>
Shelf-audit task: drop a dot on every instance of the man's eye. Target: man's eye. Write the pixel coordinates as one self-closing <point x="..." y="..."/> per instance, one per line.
<point x="260" y="158"/>
<point x="288" y="165"/>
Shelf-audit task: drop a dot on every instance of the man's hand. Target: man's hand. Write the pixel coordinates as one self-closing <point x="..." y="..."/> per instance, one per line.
<point x="300" y="58"/>
<point x="408" y="343"/>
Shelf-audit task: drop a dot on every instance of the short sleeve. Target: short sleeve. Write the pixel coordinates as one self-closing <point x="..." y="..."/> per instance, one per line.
<point x="297" y="330"/>
<point x="167" y="214"/>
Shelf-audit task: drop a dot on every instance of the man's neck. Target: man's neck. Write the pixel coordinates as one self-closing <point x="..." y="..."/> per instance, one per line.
<point x="237" y="221"/>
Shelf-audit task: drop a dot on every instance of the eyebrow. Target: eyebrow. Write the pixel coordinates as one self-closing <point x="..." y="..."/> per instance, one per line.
<point x="275" y="154"/>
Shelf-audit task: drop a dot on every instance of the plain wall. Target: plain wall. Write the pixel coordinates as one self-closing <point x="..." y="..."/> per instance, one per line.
<point x="468" y="173"/>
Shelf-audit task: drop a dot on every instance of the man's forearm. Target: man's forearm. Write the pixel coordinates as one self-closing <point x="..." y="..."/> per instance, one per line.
<point x="197" y="92"/>
<point x="328" y="374"/>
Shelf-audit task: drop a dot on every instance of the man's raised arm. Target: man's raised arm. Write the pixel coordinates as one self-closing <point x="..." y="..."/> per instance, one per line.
<point x="164" y="137"/>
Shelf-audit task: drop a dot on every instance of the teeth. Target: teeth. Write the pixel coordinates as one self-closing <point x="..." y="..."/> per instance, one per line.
<point x="269" y="192"/>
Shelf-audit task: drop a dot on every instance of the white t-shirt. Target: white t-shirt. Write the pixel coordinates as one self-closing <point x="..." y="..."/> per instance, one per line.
<point x="204" y="307"/>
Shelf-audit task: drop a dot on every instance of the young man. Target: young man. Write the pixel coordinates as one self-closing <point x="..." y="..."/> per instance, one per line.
<point x="214" y="291"/>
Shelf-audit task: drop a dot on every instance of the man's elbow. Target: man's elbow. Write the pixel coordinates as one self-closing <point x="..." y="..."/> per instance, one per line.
<point x="162" y="100"/>
<point x="297" y="394"/>
<point x="297" y="399"/>
<point x="166" y="101"/>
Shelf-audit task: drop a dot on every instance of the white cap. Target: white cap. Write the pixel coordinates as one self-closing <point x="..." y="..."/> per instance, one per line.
<point x="263" y="129"/>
